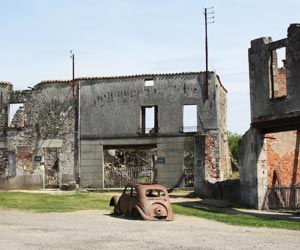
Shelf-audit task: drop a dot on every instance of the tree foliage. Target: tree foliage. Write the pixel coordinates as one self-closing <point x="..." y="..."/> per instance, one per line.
<point x="233" y="142"/>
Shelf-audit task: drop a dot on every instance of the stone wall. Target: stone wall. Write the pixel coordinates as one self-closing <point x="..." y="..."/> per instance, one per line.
<point x="47" y="116"/>
<point x="5" y="90"/>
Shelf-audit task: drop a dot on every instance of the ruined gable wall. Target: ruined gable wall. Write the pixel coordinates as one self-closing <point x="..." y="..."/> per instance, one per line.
<point x="48" y="117"/>
<point x="117" y="103"/>
<point x="263" y="107"/>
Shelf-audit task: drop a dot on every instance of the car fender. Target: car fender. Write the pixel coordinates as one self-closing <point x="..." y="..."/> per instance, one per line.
<point x="114" y="200"/>
<point x="141" y="213"/>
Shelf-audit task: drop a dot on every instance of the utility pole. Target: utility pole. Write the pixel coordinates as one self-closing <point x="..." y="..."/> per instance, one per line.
<point x="207" y="17"/>
<point x="72" y="56"/>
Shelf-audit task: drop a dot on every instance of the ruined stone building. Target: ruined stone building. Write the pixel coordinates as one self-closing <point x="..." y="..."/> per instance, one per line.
<point x="104" y="136"/>
<point x="269" y="151"/>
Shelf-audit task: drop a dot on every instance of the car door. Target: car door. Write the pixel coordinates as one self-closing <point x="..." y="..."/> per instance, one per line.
<point x="128" y="200"/>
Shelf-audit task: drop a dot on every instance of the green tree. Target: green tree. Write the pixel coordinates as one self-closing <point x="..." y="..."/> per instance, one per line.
<point x="233" y="142"/>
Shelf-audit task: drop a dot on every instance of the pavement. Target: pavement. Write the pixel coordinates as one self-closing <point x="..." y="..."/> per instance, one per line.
<point x="89" y="230"/>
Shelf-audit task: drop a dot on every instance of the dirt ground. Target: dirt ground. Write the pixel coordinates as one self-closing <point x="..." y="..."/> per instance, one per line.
<point x="99" y="230"/>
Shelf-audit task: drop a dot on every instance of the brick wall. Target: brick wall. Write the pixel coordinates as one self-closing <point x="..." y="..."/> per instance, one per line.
<point x="280" y="83"/>
<point x="212" y="158"/>
<point x="283" y="156"/>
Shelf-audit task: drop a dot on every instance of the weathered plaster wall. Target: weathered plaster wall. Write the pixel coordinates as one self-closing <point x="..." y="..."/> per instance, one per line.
<point x="171" y="149"/>
<point x="253" y="168"/>
<point x="118" y="101"/>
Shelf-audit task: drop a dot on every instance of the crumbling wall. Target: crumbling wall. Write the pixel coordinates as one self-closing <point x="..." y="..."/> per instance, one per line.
<point x="283" y="158"/>
<point x="5" y="89"/>
<point x="47" y="116"/>
<point x="268" y="155"/>
<point x="277" y="109"/>
<point x="223" y="148"/>
<point x="50" y="115"/>
<point x="3" y="162"/>
<point x="18" y="119"/>
<point x="279" y="78"/>
<point x="213" y="172"/>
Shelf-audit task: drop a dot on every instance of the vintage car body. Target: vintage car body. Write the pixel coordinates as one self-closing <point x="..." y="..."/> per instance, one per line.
<point x="148" y="201"/>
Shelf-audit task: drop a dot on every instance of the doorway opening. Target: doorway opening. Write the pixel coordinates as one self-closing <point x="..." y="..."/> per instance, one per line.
<point x="135" y="164"/>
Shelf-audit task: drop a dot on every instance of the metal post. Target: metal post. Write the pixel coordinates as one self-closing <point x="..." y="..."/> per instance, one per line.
<point x="206" y="47"/>
<point x="73" y="74"/>
<point x="78" y="136"/>
<point x="206" y="54"/>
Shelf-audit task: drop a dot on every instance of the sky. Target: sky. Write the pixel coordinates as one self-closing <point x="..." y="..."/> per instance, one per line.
<point x="125" y="37"/>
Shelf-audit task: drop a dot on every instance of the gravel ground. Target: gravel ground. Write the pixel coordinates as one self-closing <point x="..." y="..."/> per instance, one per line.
<point x="99" y="230"/>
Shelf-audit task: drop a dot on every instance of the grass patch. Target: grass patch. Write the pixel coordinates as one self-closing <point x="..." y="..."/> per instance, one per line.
<point x="44" y="203"/>
<point x="235" y="219"/>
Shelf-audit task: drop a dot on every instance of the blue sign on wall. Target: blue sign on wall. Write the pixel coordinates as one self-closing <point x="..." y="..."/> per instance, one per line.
<point x="37" y="158"/>
<point x="161" y="160"/>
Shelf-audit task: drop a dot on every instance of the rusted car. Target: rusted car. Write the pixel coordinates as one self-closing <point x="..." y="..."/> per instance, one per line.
<point x="148" y="201"/>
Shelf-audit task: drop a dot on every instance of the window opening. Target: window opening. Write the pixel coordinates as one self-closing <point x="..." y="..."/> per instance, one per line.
<point x="278" y="87"/>
<point x="149" y="120"/>
<point x="190" y="118"/>
<point x="155" y="193"/>
<point x="16" y="115"/>
<point x="149" y="82"/>
<point x="128" y="191"/>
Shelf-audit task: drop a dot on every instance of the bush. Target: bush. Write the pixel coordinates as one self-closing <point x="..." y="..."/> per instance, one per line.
<point x="233" y="142"/>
